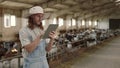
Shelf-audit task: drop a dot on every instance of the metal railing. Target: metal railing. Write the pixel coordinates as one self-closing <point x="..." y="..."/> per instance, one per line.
<point x="9" y="61"/>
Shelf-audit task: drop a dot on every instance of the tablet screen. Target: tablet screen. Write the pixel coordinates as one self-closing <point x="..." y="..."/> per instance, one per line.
<point x="51" y="27"/>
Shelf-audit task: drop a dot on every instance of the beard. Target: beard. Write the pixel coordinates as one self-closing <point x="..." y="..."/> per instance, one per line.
<point x="36" y="24"/>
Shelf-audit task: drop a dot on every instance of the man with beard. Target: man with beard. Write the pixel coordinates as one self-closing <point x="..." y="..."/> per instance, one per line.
<point x="34" y="48"/>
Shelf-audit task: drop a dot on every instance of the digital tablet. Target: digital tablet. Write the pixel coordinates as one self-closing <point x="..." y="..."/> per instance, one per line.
<point x="51" y="27"/>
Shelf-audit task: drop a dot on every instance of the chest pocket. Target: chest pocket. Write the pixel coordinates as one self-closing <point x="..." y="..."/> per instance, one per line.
<point x="39" y="51"/>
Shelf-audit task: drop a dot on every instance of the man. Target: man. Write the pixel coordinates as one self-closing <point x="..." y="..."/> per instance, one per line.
<point x="34" y="47"/>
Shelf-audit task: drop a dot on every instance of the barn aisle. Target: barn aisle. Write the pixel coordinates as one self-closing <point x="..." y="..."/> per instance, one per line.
<point x="105" y="56"/>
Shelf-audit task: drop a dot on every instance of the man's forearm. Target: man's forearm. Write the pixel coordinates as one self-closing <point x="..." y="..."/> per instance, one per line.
<point x="49" y="47"/>
<point x="31" y="47"/>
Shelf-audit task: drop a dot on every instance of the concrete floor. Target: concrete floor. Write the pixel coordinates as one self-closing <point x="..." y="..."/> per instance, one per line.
<point x="105" y="56"/>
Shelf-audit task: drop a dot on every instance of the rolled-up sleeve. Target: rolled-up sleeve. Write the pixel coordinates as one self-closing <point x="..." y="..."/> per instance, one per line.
<point x="24" y="37"/>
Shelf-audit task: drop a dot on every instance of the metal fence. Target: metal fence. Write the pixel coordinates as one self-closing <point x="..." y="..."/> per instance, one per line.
<point x="12" y="62"/>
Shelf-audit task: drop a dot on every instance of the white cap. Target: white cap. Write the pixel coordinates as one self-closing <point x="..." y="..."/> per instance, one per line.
<point x="35" y="10"/>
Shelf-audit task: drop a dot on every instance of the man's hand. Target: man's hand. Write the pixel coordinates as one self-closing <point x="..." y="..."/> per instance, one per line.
<point x="52" y="35"/>
<point x="41" y="34"/>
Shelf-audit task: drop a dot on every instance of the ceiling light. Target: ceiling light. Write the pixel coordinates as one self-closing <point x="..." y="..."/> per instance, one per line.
<point x="71" y="2"/>
<point x="15" y="4"/>
<point x="60" y="6"/>
<point x="50" y="9"/>
<point x="117" y="1"/>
